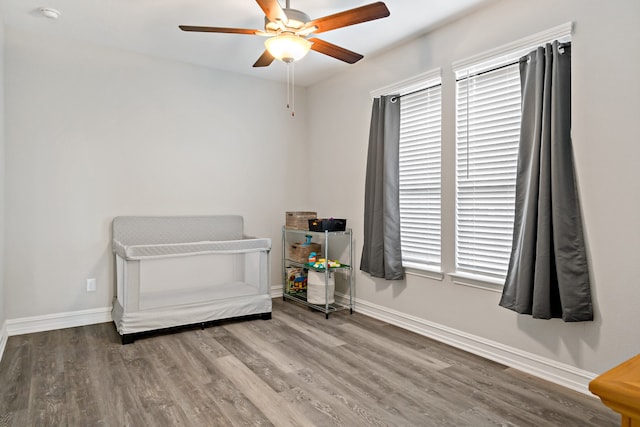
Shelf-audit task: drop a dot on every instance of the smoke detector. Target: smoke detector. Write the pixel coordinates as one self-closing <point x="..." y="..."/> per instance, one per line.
<point x="47" y="12"/>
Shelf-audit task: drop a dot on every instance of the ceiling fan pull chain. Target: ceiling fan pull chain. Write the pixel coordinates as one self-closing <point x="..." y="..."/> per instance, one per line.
<point x="293" y="90"/>
<point x="290" y="88"/>
<point x="288" y="84"/>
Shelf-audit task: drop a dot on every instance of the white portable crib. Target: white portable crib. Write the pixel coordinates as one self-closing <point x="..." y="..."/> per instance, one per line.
<point x="183" y="270"/>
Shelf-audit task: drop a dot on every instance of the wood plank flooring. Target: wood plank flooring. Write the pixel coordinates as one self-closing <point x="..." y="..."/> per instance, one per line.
<point x="297" y="369"/>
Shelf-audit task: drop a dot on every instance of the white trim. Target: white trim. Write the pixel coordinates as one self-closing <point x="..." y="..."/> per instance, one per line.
<point x="415" y="270"/>
<point x="3" y="338"/>
<point x="49" y="322"/>
<point x="276" y="291"/>
<point x="420" y="81"/>
<point x="547" y="369"/>
<point x="476" y="281"/>
<point x="509" y="52"/>
<point x="342" y="298"/>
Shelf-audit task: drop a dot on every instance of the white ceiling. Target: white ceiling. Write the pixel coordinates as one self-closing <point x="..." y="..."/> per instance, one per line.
<point x="151" y="27"/>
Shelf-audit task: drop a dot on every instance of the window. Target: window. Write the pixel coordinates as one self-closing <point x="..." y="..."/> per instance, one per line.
<point x="487" y="133"/>
<point x="419" y="170"/>
<point x="487" y="137"/>
<point x="420" y="135"/>
<point x="482" y="159"/>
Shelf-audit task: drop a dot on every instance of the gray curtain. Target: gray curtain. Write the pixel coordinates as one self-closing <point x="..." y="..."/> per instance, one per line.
<point x="381" y="252"/>
<point x="548" y="274"/>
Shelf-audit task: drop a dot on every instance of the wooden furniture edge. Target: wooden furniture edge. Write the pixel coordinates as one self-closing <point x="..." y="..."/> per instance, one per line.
<point x="619" y="388"/>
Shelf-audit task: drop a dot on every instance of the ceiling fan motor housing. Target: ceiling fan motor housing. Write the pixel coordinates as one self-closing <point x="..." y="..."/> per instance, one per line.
<point x="296" y="19"/>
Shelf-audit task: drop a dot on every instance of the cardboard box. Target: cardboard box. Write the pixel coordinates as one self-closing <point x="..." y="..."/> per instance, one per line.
<point x="296" y="280"/>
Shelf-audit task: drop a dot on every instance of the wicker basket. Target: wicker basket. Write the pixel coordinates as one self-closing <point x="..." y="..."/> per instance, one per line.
<point x="299" y="220"/>
<point x="299" y="252"/>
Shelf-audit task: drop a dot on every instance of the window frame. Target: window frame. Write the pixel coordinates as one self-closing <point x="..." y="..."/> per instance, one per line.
<point x="481" y="63"/>
<point x="424" y="81"/>
<point x="487" y="139"/>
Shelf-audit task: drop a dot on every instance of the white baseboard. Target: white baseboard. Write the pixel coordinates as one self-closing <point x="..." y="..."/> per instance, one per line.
<point x="48" y="322"/>
<point x="276" y="291"/>
<point x="4" y="335"/>
<point x="547" y="369"/>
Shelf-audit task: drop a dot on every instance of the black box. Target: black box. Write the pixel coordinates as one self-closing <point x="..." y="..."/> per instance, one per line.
<point x="327" y="224"/>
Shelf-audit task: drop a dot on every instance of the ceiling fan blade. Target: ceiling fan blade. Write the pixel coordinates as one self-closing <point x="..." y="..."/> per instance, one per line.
<point x="358" y="15"/>
<point x="272" y="10"/>
<point x="335" y="51"/>
<point x="265" y="60"/>
<point x="216" y="29"/>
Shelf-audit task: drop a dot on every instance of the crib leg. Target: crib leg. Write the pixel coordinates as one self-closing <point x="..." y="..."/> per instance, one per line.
<point x="265" y="316"/>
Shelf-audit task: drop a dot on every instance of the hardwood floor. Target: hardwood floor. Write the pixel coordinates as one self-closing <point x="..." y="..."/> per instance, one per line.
<point x="297" y="369"/>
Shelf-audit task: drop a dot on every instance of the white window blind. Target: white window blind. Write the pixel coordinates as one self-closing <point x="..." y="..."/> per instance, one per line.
<point x="420" y="135"/>
<point x="487" y="133"/>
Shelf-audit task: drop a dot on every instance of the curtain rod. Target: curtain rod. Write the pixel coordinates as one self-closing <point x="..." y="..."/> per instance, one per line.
<point x="479" y="73"/>
<point x="415" y="91"/>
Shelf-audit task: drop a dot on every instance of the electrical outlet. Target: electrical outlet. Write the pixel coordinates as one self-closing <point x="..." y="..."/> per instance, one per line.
<point x="91" y="285"/>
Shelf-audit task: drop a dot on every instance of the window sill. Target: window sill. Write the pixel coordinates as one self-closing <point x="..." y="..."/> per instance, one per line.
<point x="478" y="282"/>
<point x="413" y="270"/>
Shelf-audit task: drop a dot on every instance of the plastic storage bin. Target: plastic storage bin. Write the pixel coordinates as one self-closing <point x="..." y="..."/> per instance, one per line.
<point x="327" y="224"/>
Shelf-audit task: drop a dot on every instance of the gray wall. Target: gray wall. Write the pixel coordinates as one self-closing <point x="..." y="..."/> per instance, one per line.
<point x="3" y="181"/>
<point x="606" y="108"/>
<point x="92" y="133"/>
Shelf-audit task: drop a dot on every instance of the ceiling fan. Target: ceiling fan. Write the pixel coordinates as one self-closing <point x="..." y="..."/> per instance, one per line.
<point x="288" y="31"/>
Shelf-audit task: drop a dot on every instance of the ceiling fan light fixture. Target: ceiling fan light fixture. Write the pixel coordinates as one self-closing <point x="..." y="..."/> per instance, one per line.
<point x="287" y="47"/>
